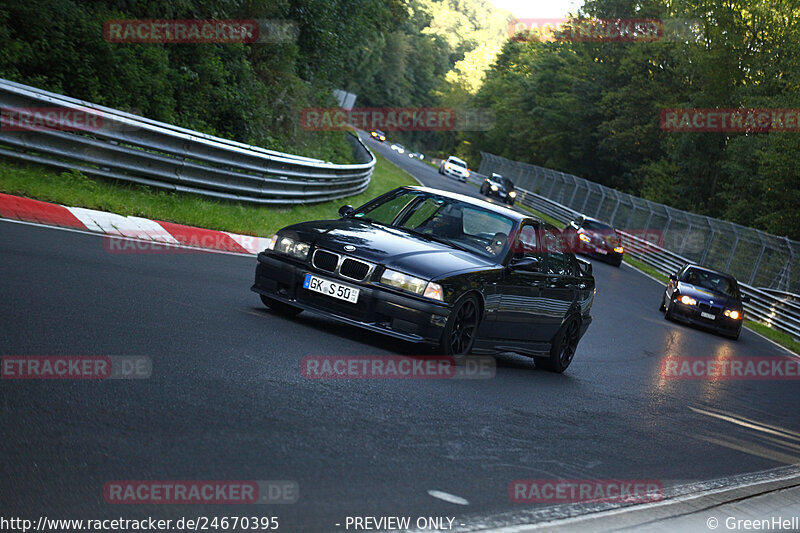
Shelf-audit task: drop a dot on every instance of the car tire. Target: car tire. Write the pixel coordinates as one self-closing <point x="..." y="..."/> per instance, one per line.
<point x="459" y="333"/>
<point x="280" y="307"/>
<point x="563" y="348"/>
<point x="511" y="203"/>
<point x="663" y="307"/>
<point x="618" y="262"/>
<point x="483" y="189"/>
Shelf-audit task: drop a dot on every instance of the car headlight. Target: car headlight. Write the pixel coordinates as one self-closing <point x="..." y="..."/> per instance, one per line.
<point x="413" y="284"/>
<point x="399" y="280"/>
<point x="495" y="188"/>
<point x="383" y="138"/>
<point x="584" y="237"/>
<point x="513" y="194"/>
<point x="290" y="247"/>
<point x="619" y="249"/>
<point x="730" y="313"/>
<point x="688" y="300"/>
<point x="467" y="173"/>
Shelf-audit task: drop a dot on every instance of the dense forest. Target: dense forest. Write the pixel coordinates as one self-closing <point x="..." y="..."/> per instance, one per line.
<point x="588" y="108"/>
<point x="592" y="108"/>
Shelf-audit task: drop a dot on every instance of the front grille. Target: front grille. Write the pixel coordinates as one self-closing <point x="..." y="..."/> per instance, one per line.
<point x="325" y="260"/>
<point x="708" y="308"/>
<point x="354" y="269"/>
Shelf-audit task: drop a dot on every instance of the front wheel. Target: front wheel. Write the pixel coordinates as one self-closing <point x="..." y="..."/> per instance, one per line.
<point x="563" y="348"/>
<point x="280" y="307"/>
<point x="483" y="189"/>
<point x="461" y="327"/>
<point x="668" y="309"/>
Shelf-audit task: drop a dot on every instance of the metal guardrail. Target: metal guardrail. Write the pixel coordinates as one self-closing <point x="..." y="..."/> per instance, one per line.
<point x="118" y="145"/>
<point x="777" y="311"/>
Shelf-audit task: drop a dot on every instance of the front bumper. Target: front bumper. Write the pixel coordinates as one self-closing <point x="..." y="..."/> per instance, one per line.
<point x="454" y="174"/>
<point x="690" y="314"/>
<point x="377" y="309"/>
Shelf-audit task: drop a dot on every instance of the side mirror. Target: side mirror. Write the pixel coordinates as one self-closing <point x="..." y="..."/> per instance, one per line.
<point x="745" y="298"/>
<point x="672" y="278"/>
<point x="530" y="264"/>
<point x="345" y="210"/>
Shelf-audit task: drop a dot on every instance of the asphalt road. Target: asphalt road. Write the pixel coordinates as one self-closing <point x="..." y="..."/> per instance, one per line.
<point x="226" y="399"/>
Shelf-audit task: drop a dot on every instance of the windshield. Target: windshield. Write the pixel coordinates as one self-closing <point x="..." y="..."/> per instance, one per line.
<point x="457" y="163"/>
<point x="443" y="219"/>
<point x="597" y="226"/>
<point x="711" y="281"/>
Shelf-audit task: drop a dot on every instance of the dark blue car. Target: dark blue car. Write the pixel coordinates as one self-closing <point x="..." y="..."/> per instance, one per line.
<point x="706" y="298"/>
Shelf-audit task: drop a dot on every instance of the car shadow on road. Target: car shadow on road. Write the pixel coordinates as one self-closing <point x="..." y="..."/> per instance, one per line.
<point x="505" y="360"/>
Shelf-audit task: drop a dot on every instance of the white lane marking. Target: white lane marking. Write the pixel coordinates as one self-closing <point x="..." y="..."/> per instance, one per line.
<point x="446" y="496"/>
<point x="782" y="347"/>
<point x="96" y="234"/>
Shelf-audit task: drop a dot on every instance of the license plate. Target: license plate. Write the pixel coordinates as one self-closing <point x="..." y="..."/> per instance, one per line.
<point x="331" y="288"/>
<point x="707" y="315"/>
<point x="601" y="251"/>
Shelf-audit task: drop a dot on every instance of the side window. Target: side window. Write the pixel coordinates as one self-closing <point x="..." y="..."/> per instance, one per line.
<point x="558" y="261"/>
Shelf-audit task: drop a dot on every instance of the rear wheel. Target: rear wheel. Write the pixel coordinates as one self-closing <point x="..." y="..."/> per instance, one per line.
<point x="662" y="308"/>
<point x="483" y="189"/>
<point x="563" y="349"/>
<point x="280" y="307"/>
<point x="462" y="325"/>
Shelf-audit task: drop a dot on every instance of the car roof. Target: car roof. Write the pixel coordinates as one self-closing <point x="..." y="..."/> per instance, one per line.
<point x="454" y="158"/>
<point x="477" y="202"/>
<point x="709" y="270"/>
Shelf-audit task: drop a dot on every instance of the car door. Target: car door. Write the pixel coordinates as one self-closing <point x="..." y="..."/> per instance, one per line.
<point x="519" y="312"/>
<point x="560" y="290"/>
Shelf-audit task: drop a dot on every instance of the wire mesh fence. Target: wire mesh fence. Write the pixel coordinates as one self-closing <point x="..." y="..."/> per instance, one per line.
<point x="754" y="257"/>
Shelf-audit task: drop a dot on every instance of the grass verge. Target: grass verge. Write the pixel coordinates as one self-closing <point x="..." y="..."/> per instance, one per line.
<point x="74" y="189"/>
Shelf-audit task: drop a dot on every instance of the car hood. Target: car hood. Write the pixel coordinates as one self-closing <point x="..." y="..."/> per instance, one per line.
<point x="703" y="295"/>
<point x="388" y="246"/>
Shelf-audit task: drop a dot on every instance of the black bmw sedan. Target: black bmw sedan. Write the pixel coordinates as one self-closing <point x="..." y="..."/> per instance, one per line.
<point x="707" y="298"/>
<point x="500" y="187"/>
<point x="428" y="266"/>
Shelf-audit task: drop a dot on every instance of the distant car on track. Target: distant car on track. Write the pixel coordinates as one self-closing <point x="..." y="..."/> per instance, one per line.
<point x="589" y="236"/>
<point x="500" y="187"/>
<point x="399" y="148"/>
<point x="455" y="167"/>
<point x="435" y="267"/>
<point x="416" y="155"/>
<point x="706" y="298"/>
<point x="378" y="135"/>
